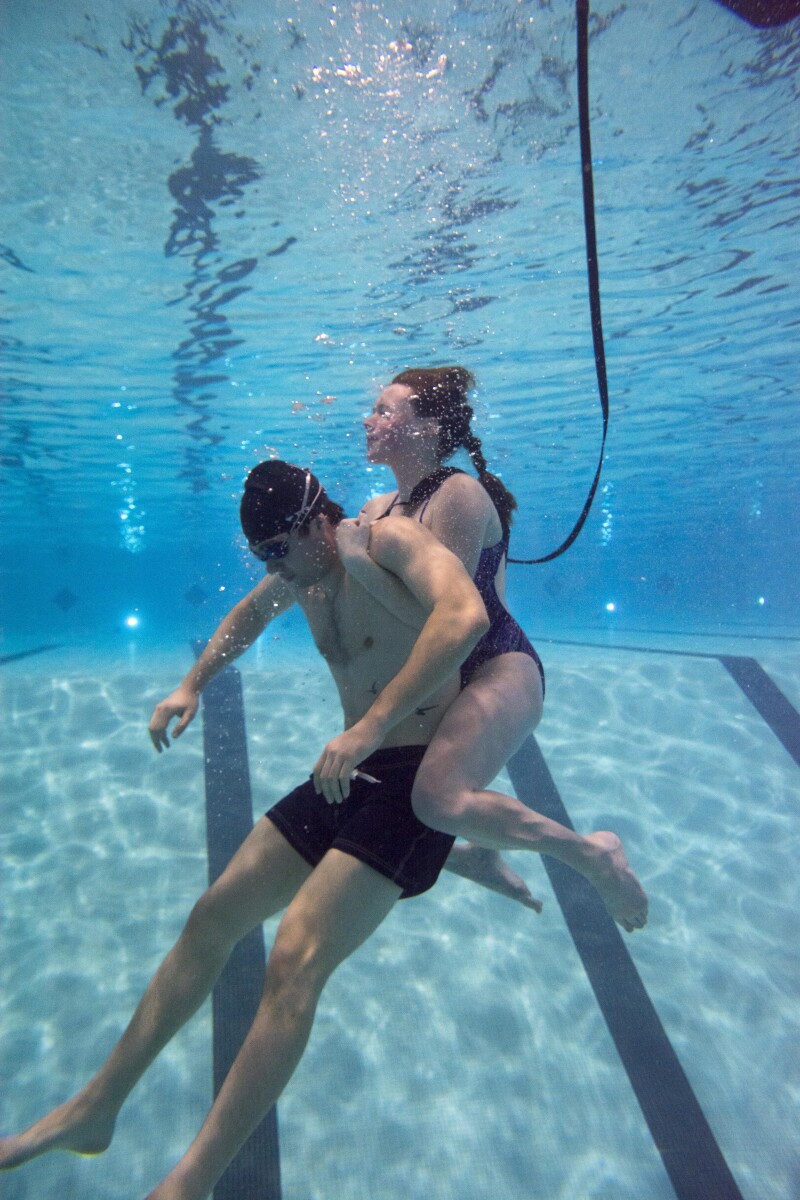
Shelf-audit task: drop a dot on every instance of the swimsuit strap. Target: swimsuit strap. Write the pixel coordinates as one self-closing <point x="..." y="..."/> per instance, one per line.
<point x="425" y="489"/>
<point x="389" y="509"/>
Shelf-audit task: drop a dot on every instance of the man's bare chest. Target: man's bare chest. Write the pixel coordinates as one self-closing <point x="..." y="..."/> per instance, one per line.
<point x="346" y="623"/>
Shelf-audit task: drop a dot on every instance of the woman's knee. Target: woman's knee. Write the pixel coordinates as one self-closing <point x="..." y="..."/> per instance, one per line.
<point x="434" y="802"/>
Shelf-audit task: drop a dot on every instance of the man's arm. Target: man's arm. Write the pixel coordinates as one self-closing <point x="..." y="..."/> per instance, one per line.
<point x="234" y="634"/>
<point x="457" y="620"/>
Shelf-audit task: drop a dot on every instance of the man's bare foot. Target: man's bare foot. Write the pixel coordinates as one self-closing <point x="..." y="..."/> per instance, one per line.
<point x="73" y="1126"/>
<point x="487" y="868"/>
<point x="620" y="890"/>
<point x="182" y="1183"/>
<point x="165" y="1191"/>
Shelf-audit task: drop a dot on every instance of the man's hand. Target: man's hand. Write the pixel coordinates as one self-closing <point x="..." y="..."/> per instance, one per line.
<point x="335" y="766"/>
<point x="182" y="703"/>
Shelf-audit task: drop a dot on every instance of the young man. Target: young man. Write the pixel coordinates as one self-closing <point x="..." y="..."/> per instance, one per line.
<point x="341" y="849"/>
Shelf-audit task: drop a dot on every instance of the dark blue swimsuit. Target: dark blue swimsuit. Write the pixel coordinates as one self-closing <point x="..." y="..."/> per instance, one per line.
<point x="504" y="635"/>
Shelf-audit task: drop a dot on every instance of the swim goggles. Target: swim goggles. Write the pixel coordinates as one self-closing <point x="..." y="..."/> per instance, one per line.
<point x="268" y="550"/>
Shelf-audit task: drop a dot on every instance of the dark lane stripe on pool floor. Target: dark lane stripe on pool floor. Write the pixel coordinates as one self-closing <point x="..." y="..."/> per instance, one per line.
<point x="682" y="1135"/>
<point x="8" y="658"/>
<point x="767" y="699"/>
<point x="765" y="695"/>
<point x="255" y="1172"/>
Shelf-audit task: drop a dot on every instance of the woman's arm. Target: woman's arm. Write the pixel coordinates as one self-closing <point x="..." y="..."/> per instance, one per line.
<point x="352" y="541"/>
<point x="456" y="620"/>
<point x="234" y="634"/>
<point x="456" y="616"/>
<point x="459" y="515"/>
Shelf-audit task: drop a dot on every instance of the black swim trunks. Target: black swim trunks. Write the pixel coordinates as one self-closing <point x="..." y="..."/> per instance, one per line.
<point x="375" y="824"/>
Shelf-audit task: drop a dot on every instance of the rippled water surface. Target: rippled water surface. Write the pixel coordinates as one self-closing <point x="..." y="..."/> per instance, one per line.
<point x="225" y="224"/>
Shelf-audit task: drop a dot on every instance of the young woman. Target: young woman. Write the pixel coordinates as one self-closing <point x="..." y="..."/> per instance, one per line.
<point x="418" y="422"/>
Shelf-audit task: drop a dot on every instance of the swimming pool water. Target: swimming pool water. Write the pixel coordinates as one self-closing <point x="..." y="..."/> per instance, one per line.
<point x="224" y="226"/>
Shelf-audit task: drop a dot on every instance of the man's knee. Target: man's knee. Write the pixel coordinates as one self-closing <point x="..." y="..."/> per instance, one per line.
<point x="296" y="967"/>
<point x="214" y="921"/>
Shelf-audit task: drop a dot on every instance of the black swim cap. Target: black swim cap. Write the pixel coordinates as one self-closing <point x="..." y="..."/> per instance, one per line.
<point x="278" y="498"/>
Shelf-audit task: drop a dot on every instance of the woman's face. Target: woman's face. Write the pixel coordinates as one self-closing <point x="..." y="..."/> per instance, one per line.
<point x="393" y="428"/>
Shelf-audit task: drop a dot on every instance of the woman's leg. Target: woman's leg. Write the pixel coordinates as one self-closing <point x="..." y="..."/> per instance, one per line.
<point x="260" y="880"/>
<point x="519" y="693"/>
<point x="481" y="730"/>
<point x="337" y="909"/>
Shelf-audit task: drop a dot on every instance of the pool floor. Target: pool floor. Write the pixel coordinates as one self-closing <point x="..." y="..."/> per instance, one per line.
<point x="461" y="1052"/>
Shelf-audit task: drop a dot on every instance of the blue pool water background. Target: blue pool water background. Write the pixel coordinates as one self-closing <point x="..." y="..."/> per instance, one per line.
<point x="208" y="262"/>
<point x="224" y="226"/>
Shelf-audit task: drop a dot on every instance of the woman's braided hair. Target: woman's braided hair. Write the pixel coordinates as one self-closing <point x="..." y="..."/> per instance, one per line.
<point x="442" y="393"/>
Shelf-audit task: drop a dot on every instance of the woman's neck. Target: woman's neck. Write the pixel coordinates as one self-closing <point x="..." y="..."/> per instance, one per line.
<point x="408" y="474"/>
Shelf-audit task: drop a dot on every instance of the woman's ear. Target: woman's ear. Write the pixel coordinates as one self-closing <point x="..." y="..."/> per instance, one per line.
<point x="430" y="426"/>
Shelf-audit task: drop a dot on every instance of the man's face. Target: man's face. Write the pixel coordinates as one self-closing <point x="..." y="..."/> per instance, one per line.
<point x="300" y="559"/>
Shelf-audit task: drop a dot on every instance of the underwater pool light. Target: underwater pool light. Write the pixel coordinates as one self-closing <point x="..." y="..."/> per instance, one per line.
<point x="761" y="601"/>
<point x="132" y="621"/>
<point x="611" y="606"/>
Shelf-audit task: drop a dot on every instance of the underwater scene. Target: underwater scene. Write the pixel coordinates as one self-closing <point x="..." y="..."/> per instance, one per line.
<point x="226" y="226"/>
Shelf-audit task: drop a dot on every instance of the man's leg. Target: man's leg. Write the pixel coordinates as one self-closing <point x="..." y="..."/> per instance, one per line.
<point x="337" y="909"/>
<point x="259" y="881"/>
<point x="480" y="731"/>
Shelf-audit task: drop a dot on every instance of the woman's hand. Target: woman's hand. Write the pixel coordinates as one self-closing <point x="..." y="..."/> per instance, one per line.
<point x="352" y="541"/>
<point x="335" y="766"/>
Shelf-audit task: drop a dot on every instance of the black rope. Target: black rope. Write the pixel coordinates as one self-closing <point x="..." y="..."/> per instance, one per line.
<point x="582" y="16"/>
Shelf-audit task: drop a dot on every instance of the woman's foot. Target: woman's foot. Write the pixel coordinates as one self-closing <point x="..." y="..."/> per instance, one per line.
<point x="75" y="1126"/>
<point x="620" y="890"/>
<point x="487" y="868"/>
